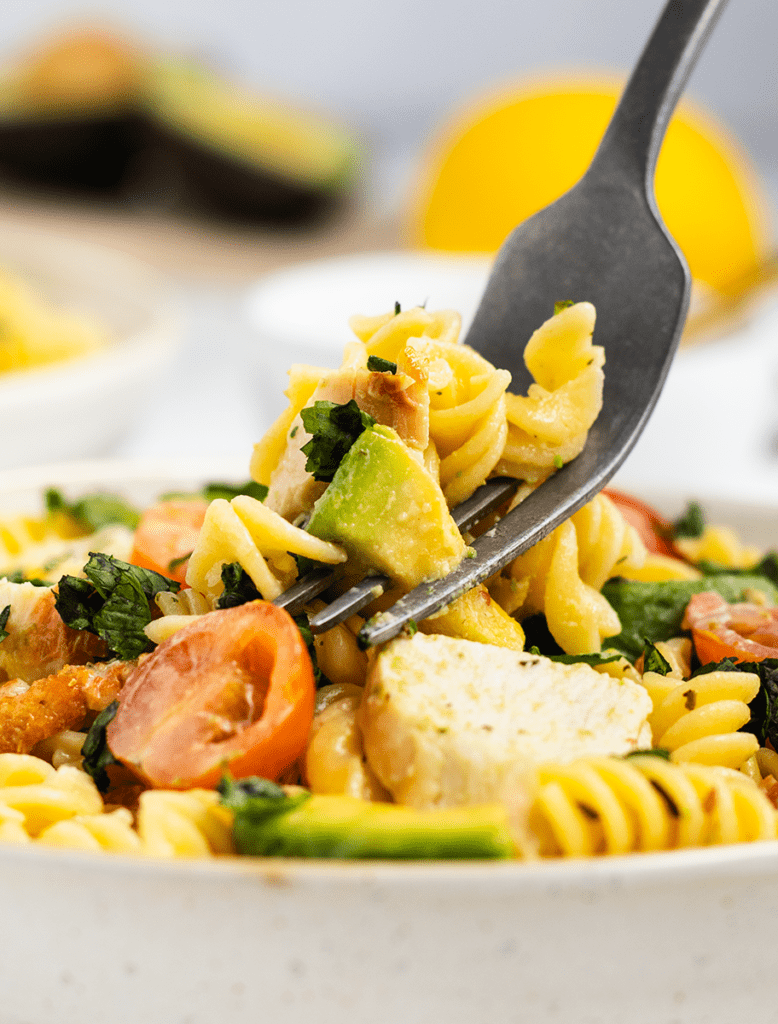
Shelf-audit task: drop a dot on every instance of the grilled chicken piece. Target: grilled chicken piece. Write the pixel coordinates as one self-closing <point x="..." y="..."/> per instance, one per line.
<point x="396" y="400"/>
<point x="38" y="642"/>
<point x="447" y="721"/>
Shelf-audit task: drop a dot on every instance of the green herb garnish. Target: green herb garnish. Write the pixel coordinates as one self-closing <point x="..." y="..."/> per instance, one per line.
<point x="378" y="365"/>
<point x="562" y="304"/>
<point x="655" y="661"/>
<point x="4" y="622"/>
<point x="112" y="602"/>
<point x="94" y="511"/>
<point x="219" y="489"/>
<point x="334" y="429"/>
<point x="691" y="523"/>
<point x="95" y="751"/>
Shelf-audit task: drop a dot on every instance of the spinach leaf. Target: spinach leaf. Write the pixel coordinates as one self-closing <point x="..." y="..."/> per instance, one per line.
<point x="334" y="428"/>
<point x="654" y="611"/>
<point x="95" y="751"/>
<point x="94" y="511"/>
<point x="112" y="602"/>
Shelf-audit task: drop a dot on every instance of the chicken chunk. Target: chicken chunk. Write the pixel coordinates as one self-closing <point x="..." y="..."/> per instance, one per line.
<point x="38" y="642"/>
<point x="447" y="721"/>
<point x="395" y="400"/>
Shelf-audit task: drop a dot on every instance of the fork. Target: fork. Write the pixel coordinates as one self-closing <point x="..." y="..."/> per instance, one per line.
<point x="604" y="242"/>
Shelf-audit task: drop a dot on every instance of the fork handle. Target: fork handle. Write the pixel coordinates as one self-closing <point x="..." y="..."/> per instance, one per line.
<point x="636" y="130"/>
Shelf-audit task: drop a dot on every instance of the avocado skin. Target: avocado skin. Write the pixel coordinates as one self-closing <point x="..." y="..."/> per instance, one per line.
<point x="91" y="151"/>
<point x="344" y="827"/>
<point x="217" y="181"/>
<point x="388" y="513"/>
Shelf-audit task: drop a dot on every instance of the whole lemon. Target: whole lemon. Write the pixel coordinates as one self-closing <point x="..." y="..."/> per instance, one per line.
<point x="510" y="154"/>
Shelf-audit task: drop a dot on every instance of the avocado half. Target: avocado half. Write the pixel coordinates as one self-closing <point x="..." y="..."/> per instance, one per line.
<point x="244" y="154"/>
<point x="88" y="110"/>
<point x="68" y="111"/>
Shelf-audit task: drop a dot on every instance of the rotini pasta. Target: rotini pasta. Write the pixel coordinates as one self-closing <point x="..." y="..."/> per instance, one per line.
<point x="698" y="719"/>
<point x="562" y="575"/>
<point x="644" y="803"/>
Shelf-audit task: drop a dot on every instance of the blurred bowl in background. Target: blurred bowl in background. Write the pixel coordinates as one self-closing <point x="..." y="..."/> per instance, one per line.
<point x="83" y="406"/>
<point x="301" y="315"/>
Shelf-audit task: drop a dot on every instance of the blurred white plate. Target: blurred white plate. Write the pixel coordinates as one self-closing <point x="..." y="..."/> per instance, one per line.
<point x="667" y="937"/>
<point x="82" y="407"/>
<point x="301" y="315"/>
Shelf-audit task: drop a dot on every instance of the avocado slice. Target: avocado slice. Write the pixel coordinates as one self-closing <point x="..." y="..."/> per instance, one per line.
<point x="388" y="512"/>
<point x="269" y="822"/>
<point x="244" y="152"/>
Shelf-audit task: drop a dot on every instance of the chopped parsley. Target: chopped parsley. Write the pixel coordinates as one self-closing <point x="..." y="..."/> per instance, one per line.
<point x="112" y="602"/>
<point x="558" y="462"/>
<point x="655" y="661"/>
<point x="562" y="304"/>
<point x="334" y="429"/>
<point x="95" y="751"/>
<point x="94" y="511"/>
<point x="378" y="365"/>
<point x="4" y="622"/>
<point x="238" y="587"/>
<point x="397" y="309"/>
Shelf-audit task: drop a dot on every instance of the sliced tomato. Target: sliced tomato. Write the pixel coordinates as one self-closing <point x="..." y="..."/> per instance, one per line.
<point x="233" y="691"/>
<point x="167" y="534"/>
<point x="742" y="631"/>
<point x="650" y="525"/>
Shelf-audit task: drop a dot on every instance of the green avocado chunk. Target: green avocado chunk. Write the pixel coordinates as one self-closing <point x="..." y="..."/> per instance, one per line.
<point x="388" y="512"/>
<point x="271" y="823"/>
<point x="654" y="611"/>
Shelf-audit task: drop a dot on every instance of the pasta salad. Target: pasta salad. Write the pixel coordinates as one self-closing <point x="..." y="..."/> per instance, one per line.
<point x="610" y="691"/>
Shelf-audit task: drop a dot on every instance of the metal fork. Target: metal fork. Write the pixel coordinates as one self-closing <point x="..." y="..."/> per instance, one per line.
<point x="603" y="242"/>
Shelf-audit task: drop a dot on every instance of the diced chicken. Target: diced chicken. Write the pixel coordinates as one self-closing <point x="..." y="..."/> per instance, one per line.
<point x="29" y="714"/>
<point x="39" y="643"/>
<point x="447" y="721"/>
<point x="395" y="400"/>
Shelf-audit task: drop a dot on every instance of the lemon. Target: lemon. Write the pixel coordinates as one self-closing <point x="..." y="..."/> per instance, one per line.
<point x="511" y="154"/>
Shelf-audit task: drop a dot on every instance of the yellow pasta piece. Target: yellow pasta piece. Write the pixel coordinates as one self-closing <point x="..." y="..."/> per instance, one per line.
<point x="184" y="824"/>
<point x="475" y="616"/>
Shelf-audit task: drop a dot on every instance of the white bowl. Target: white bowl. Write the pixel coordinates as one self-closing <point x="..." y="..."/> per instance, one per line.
<point x="82" y="407"/>
<point x="301" y="315"/>
<point x="669" y="937"/>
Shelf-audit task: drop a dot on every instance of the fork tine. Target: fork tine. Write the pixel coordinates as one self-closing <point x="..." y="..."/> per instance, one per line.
<point x="485" y="500"/>
<point x="347" y="604"/>
<point x="306" y="589"/>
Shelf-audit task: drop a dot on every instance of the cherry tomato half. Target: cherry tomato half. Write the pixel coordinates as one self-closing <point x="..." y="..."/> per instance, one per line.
<point x="650" y="525"/>
<point x="167" y="534"/>
<point x="233" y="691"/>
<point x="745" y="632"/>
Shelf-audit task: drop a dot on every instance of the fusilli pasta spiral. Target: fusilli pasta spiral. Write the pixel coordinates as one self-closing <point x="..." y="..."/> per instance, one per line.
<point x="615" y="806"/>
